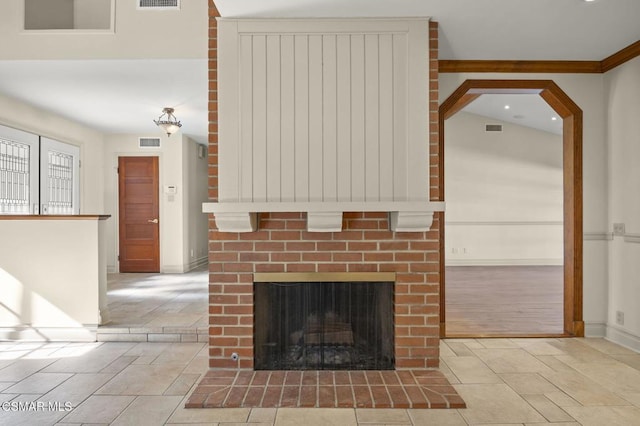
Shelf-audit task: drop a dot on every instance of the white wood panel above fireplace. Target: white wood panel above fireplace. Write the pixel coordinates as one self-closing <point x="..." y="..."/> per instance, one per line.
<point x="322" y="111"/>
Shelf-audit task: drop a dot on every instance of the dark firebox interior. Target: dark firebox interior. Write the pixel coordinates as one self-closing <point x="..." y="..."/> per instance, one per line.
<point x="324" y="326"/>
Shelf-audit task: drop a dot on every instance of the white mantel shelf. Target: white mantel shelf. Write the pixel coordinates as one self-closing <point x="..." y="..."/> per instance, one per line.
<point x="322" y="216"/>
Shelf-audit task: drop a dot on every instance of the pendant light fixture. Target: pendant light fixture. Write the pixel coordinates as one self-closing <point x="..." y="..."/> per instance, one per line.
<point x="168" y="122"/>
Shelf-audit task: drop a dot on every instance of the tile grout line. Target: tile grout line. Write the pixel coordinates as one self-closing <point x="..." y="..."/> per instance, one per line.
<point x="279" y="403"/>
<point x="419" y="386"/>
<point x="404" y="391"/>
<point x="353" y="390"/>
<point x="265" y="389"/>
<point x="373" y="401"/>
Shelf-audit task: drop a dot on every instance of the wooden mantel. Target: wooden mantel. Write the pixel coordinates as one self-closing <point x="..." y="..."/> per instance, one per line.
<point x="54" y="217"/>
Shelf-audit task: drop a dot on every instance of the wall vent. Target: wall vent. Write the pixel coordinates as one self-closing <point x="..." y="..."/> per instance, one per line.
<point x="149" y="142"/>
<point x="202" y="151"/>
<point x="158" y="4"/>
<point x="493" y="127"/>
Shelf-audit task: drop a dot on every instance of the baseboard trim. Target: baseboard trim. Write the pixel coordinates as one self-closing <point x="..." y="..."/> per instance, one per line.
<point x="623" y="338"/>
<point x="198" y="263"/>
<point x="111" y="269"/>
<point x="173" y="269"/>
<point x="25" y="333"/>
<point x="504" y="262"/>
<point x="595" y="329"/>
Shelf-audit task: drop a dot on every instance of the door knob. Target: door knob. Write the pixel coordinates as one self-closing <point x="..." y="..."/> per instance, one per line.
<point x="152" y="220"/>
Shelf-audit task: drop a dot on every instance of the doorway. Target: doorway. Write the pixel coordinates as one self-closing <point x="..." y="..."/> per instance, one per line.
<point x="138" y="213"/>
<point x="571" y="269"/>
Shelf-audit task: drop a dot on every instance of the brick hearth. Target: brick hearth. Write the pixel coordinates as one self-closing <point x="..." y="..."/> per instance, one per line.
<point x="324" y="389"/>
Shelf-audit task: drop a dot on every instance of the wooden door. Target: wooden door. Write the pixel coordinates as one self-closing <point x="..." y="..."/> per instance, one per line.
<point x="138" y="192"/>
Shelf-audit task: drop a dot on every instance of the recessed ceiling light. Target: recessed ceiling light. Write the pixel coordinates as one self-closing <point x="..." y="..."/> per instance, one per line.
<point x="554" y="118"/>
<point x="507" y="107"/>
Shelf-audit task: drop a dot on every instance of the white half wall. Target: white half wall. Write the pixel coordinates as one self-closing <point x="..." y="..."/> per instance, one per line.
<point x="623" y="114"/>
<point x="503" y="192"/>
<point x="587" y="91"/>
<point x="53" y="279"/>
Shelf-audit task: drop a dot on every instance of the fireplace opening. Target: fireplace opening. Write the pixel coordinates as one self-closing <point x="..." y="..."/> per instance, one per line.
<point x="324" y="326"/>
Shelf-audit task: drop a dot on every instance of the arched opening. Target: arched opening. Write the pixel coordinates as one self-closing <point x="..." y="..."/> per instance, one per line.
<point x="572" y="183"/>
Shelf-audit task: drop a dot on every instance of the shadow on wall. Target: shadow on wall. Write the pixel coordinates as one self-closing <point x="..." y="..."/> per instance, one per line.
<point x="23" y="311"/>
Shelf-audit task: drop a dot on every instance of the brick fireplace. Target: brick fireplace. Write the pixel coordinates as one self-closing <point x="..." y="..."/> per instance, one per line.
<point x="281" y="243"/>
<point x="319" y="238"/>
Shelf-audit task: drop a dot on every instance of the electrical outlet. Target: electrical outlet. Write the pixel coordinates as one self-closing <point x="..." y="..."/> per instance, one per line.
<point x="619" y="317"/>
<point x="454" y="250"/>
<point x="192" y="253"/>
<point x="618" y="229"/>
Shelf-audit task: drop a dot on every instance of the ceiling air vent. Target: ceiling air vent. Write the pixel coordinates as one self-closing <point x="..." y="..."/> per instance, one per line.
<point x="149" y="142"/>
<point x="493" y="127"/>
<point x="158" y="4"/>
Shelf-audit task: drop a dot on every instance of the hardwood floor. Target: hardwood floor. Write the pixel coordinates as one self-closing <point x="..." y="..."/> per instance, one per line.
<point x="504" y="300"/>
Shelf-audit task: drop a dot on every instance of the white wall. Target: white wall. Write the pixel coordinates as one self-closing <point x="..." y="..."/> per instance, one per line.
<point x="176" y="211"/>
<point x="196" y="225"/>
<point x="504" y="194"/>
<point x="623" y="114"/>
<point x="587" y="90"/>
<point x="138" y="34"/>
<point x="25" y="117"/>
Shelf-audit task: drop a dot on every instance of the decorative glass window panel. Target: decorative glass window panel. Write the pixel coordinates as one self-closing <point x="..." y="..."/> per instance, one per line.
<point x="59" y="177"/>
<point x="15" y="169"/>
<point x="60" y="183"/>
<point x="38" y="175"/>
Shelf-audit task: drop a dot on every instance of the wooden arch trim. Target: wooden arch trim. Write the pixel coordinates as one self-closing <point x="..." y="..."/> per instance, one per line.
<point x="571" y="114"/>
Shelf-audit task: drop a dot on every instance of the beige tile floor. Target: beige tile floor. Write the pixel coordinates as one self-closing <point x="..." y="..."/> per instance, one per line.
<point x="157" y="307"/>
<point x="504" y="382"/>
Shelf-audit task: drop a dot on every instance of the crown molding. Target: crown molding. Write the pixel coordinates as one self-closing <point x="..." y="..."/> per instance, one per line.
<point x="573" y="67"/>
<point x="555" y="67"/>
<point x="620" y="57"/>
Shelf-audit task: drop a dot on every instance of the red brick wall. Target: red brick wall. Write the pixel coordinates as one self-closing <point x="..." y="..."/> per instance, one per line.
<point x="282" y="245"/>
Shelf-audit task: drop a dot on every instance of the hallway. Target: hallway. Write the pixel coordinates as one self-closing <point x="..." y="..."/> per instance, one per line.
<point x="157" y="307"/>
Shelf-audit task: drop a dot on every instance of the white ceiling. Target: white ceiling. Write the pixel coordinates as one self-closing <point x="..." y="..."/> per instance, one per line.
<point x="114" y="96"/>
<point x="485" y="29"/>
<point x="123" y="96"/>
